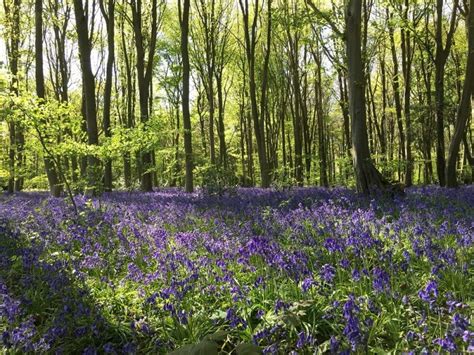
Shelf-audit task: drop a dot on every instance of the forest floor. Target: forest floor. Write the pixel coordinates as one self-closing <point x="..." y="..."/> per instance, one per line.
<point x="250" y="271"/>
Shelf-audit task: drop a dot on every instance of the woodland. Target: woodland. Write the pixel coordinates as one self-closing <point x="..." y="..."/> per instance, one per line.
<point x="236" y="177"/>
<point x="99" y="95"/>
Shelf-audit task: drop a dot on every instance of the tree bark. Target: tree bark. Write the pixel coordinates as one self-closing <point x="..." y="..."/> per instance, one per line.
<point x="54" y="184"/>
<point x="442" y="53"/>
<point x="144" y="72"/>
<point x="396" y="93"/>
<point x="250" y="44"/>
<point x="88" y="82"/>
<point x="464" y="106"/>
<point x="184" y="9"/>
<point x="368" y="178"/>
<point x="109" y="16"/>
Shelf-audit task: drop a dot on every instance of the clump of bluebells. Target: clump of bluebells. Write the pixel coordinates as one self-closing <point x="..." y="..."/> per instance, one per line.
<point x="296" y="271"/>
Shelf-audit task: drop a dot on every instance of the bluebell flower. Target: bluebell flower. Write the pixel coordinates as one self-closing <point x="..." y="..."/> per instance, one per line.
<point x="108" y="348"/>
<point x="333" y="344"/>
<point x="447" y="343"/>
<point x="430" y="292"/>
<point x="327" y="273"/>
<point x="307" y="284"/>
<point x="304" y="339"/>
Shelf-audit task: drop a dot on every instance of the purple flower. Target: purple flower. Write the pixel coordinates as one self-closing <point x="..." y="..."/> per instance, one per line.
<point x="109" y="348"/>
<point x="234" y="319"/>
<point x="380" y="280"/>
<point x="447" y="343"/>
<point x="352" y="332"/>
<point x="327" y="273"/>
<point x="304" y="339"/>
<point x="411" y="335"/>
<point x="281" y="305"/>
<point x="307" y="284"/>
<point x="333" y="344"/>
<point x="430" y="292"/>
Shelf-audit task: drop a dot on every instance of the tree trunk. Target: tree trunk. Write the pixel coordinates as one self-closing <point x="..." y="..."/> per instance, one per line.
<point x="54" y="187"/>
<point x="396" y="93"/>
<point x="407" y="56"/>
<point x="368" y="177"/>
<point x="144" y="73"/>
<point x="13" y="52"/>
<point x="110" y="23"/>
<point x="88" y="82"/>
<point x="184" y="7"/>
<point x="250" y="43"/>
<point x="464" y="107"/>
<point x="442" y="53"/>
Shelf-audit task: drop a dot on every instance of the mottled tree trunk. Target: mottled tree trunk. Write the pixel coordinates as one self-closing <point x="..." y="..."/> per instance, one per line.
<point x="184" y="8"/>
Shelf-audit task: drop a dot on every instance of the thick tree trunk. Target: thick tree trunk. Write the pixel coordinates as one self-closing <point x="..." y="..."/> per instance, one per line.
<point x="368" y="178"/>
<point x="464" y="107"/>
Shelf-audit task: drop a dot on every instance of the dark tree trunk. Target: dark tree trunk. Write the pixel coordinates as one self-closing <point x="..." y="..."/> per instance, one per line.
<point x="220" y="121"/>
<point x="442" y="53"/>
<point x="407" y="56"/>
<point x="144" y="72"/>
<point x="54" y="186"/>
<point x="129" y="94"/>
<point x="464" y="107"/>
<point x="322" y="141"/>
<point x="250" y="44"/>
<point x="184" y="8"/>
<point x="88" y="82"/>
<point x="109" y="15"/>
<point x="396" y="93"/>
<point x="13" y="52"/>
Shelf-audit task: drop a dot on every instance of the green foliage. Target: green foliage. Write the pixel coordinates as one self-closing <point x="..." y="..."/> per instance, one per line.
<point x="216" y="180"/>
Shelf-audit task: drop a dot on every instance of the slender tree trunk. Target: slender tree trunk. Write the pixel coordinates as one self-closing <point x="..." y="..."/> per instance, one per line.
<point x="442" y="53"/>
<point x="109" y="16"/>
<point x="407" y="56"/>
<point x="88" y="83"/>
<point x="144" y="65"/>
<point x="54" y="186"/>
<point x="220" y="121"/>
<point x="184" y="8"/>
<point x="396" y="93"/>
<point x="13" y="52"/>
<point x="250" y="43"/>
<point x="322" y="141"/>
<point x="128" y="121"/>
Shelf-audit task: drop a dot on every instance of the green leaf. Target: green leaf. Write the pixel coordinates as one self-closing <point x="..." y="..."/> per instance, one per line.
<point x="248" y="349"/>
<point x="219" y="336"/>
<point x="205" y="347"/>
